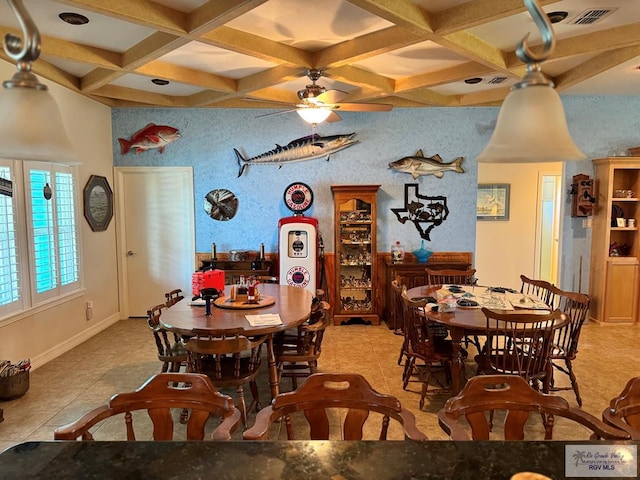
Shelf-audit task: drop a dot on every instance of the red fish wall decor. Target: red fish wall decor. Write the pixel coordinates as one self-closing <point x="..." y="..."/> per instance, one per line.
<point x="151" y="136"/>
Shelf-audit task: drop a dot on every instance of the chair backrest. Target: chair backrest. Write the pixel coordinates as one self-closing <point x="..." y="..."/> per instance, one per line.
<point x="624" y="410"/>
<point x="173" y="297"/>
<point x="161" y="336"/>
<point x="519" y="343"/>
<point x="419" y="336"/>
<point x="396" y="290"/>
<point x="327" y="391"/>
<point x="576" y="307"/>
<point x="311" y="334"/>
<point x="489" y="393"/>
<point x="158" y="396"/>
<point x="541" y="289"/>
<point x="450" y="276"/>
<point x="225" y="358"/>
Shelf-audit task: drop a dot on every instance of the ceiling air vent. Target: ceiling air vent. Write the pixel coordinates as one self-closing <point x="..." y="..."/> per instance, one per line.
<point x="589" y="17"/>
<point x="497" y="80"/>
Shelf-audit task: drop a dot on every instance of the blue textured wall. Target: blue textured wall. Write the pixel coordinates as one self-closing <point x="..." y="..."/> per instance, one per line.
<point x="210" y="135"/>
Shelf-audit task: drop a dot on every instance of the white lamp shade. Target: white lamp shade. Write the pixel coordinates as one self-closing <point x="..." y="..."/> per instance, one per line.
<point x="531" y="127"/>
<point x="314" y="114"/>
<point x="31" y="127"/>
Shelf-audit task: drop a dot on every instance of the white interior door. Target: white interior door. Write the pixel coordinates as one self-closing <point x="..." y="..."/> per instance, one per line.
<point x="156" y="234"/>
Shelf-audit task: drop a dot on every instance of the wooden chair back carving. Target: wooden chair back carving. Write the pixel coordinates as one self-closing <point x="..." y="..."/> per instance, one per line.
<point x="512" y="394"/>
<point x="171" y="351"/>
<point x="519" y="343"/>
<point x="173" y="297"/>
<point x="297" y="355"/>
<point x="228" y="360"/>
<point x="565" y="341"/>
<point x="624" y="410"/>
<point x="159" y="395"/>
<point x="328" y="391"/>
<point x="540" y="289"/>
<point x="450" y="277"/>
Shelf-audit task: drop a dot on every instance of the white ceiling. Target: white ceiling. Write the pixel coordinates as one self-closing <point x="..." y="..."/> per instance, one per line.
<point x="404" y="52"/>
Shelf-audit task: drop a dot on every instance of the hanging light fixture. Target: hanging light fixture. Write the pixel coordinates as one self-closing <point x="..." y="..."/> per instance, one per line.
<point x="531" y="124"/>
<point x="314" y="114"/>
<point x="31" y="126"/>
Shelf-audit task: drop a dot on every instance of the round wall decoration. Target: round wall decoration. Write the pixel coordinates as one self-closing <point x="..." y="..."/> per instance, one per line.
<point x="298" y="197"/>
<point x="221" y="204"/>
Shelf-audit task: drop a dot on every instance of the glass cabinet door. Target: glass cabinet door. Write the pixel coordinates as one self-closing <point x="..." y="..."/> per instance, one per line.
<point x="355" y="256"/>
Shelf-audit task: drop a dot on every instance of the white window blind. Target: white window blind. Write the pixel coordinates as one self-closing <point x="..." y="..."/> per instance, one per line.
<point x="9" y="266"/>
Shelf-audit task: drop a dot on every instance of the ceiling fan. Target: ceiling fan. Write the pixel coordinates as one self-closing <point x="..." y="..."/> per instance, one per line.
<point x="317" y="104"/>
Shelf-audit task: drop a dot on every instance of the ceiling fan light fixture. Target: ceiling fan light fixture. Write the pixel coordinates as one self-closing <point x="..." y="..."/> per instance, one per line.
<point x="314" y="114"/>
<point x="531" y="125"/>
<point x="31" y="127"/>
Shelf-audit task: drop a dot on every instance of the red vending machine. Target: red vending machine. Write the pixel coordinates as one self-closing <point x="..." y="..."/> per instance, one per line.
<point x="298" y="241"/>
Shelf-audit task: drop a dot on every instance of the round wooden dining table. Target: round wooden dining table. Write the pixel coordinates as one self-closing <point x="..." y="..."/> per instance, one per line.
<point x="293" y="304"/>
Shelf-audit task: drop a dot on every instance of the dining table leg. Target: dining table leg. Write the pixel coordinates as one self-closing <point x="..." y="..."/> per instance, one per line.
<point x="272" y="367"/>
<point x="457" y="369"/>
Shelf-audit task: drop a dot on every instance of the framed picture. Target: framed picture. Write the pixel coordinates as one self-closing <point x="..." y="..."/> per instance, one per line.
<point x="98" y="203"/>
<point x="493" y="201"/>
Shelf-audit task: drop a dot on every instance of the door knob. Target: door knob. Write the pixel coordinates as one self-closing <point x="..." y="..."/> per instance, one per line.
<point x="130" y="253"/>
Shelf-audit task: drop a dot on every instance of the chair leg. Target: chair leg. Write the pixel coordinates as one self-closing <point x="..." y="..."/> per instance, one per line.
<point x="408" y="371"/>
<point x="242" y="406"/>
<point x="574" y="382"/>
<point x="254" y="393"/>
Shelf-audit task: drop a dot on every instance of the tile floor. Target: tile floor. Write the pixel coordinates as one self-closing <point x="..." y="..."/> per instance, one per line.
<point x="123" y="356"/>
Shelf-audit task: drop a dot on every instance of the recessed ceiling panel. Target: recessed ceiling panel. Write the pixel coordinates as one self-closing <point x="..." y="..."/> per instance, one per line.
<point x="199" y="56"/>
<point x="140" y="82"/>
<point x="412" y="60"/>
<point x="309" y="25"/>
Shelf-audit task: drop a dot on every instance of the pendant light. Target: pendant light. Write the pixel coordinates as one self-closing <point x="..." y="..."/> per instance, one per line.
<point x="531" y="125"/>
<point x="31" y="125"/>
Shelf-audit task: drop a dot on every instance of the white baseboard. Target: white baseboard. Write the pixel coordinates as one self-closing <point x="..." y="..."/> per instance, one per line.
<point x="74" y="341"/>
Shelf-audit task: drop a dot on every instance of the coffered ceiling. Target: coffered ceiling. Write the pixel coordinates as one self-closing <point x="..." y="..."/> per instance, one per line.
<point x="417" y="53"/>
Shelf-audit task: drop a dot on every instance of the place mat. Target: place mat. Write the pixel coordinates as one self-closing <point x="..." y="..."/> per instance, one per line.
<point x="226" y="302"/>
<point x="264" y="320"/>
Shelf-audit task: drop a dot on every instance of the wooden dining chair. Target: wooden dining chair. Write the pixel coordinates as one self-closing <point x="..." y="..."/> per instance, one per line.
<point x="171" y="351"/>
<point x="423" y="349"/>
<point x="565" y="341"/>
<point x="513" y="395"/>
<point x="229" y="360"/>
<point x="450" y="276"/>
<point x="297" y="354"/>
<point x="173" y="297"/>
<point x="519" y="344"/>
<point x="159" y="396"/>
<point x="397" y="288"/>
<point x="317" y="401"/>
<point x="623" y="411"/>
<point x="540" y="289"/>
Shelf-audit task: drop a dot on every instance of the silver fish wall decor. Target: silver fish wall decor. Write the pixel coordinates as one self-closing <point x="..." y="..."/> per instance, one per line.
<point x="305" y="148"/>
<point x="418" y="164"/>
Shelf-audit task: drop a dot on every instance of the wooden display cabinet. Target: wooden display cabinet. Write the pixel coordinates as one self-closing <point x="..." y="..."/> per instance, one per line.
<point x="355" y="253"/>
<point x="615" y="250"/>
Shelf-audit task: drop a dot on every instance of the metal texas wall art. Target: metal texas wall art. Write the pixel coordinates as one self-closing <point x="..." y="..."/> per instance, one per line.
<point x="304" y="148"/>
<point x="423" y="211"/>
<point x="418" y="164"/>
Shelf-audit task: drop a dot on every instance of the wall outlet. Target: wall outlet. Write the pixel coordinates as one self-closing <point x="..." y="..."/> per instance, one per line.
<point x="586" y="223"/>
<point x="89" y="304"/>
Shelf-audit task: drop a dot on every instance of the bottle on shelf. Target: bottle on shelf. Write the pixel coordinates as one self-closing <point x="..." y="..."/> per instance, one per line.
<point x="397" y="252"/>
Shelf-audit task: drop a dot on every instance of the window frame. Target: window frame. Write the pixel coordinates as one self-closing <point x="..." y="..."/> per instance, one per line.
<point x="29" y="298"/>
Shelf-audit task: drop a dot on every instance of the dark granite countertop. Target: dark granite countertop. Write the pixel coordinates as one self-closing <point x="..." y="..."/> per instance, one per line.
<point x="304" y="460"/>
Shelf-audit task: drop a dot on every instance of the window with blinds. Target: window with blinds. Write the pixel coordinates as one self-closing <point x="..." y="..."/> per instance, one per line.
<point x="39" y="254"/>
<point x="9" y="266"/>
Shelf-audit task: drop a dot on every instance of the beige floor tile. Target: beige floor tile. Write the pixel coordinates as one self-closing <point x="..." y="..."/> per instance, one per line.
<point x="123" y="356"/>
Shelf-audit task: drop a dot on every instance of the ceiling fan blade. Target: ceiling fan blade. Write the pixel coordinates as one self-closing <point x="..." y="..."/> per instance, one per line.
<point x="333" y="117"/>
<point x="331" y="96"/>
<point x="363" y="107"/>
<point x="276" y="113"/>
<point x="263" y="100"/>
